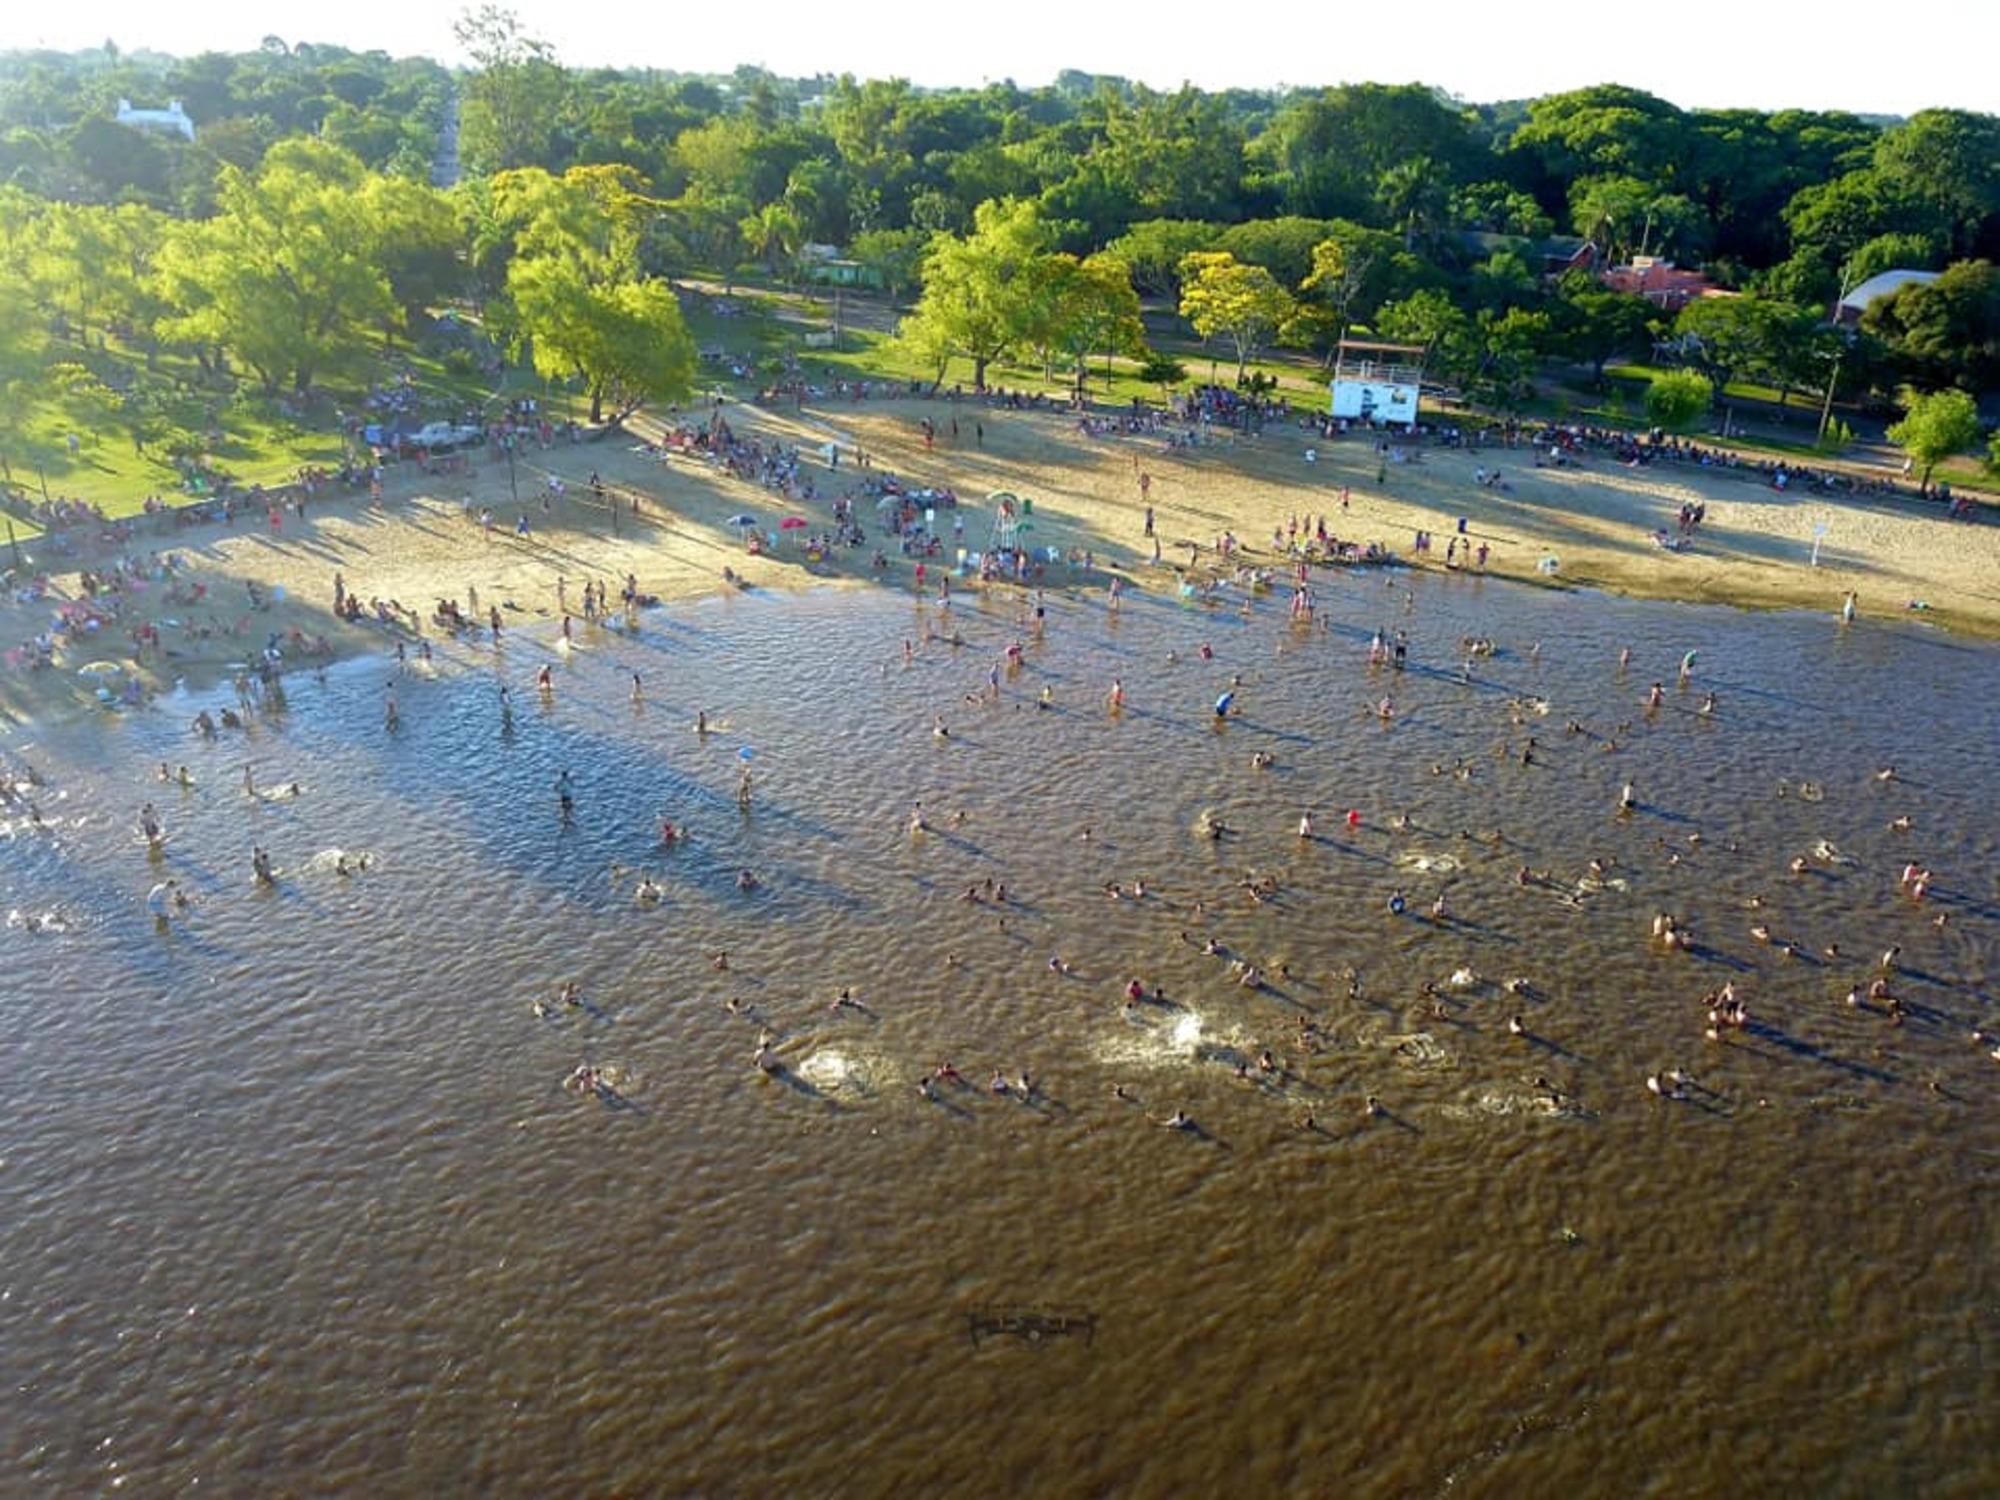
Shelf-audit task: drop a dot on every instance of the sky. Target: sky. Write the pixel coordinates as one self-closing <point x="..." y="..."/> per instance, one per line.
<point x="1754" y="54"/>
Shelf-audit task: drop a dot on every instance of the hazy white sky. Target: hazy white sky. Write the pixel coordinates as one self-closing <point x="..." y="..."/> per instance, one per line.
<point x="1758" y="54"/>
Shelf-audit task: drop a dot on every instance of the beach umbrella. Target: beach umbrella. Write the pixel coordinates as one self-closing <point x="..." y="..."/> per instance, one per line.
<point x="100" y="669"/>
<point x="792" y="523"/>
<point x="741" y="520"/>
<point x="888" y="502"/>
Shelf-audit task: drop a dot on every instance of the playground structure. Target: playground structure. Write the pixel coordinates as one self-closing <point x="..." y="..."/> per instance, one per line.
<point x="1375" y="382"/>
<point x="1008" y="512"/>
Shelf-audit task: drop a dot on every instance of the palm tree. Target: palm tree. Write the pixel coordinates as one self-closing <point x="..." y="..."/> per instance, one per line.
<point x="1413" y="196"/>
<point x="773" y="235"/>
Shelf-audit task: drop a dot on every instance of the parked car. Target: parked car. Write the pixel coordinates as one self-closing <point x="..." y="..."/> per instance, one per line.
<point x="438" y="436"/>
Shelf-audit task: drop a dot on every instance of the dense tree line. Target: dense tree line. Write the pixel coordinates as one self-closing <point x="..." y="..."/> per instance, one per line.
<point x="300" y="227"/>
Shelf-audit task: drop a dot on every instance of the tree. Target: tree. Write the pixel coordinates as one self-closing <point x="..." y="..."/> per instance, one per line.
<point x="1430" y="318"/>
<point x="1325" y="150"/>
<point x="1944" y="331"/>
<point x="1607" y="129"/>
<point x="1415" y="197"/>
<point x="1095" y="311"/>
<point x="626" y="342"/>
<point x="1595" y="324"/>
<point x="1723" y="336"/>
<point x="1934" y="427"/>
<point x="1427" y="317"/>
<point x="1283" y="246"/>
<point x="1677" y="399"/>
<point x="896" y="255"/>
<point x="1353" y="271"/>
<point x="513" y="99"/>
<point x="1185" y="153"/>
<point x="415" y="241"/>
<point x="1164" y="370"/>
<point x="1155" y="248"/>
<point x="1948" y="159"/>
<point x="286" y="275"/>
<point x="773" y="235"/>
<point x="1889" y="252"/>
<point x="73" y="255"/>
<point x="1625" y="217"/>
<point x="578" y="298"/>
<point x="1243" y="304"/>
<point x="977" y="301"/>
<point x="1512" y="345"/>
<point x="1830" y="221"/>
<point x="1499" y="208"/>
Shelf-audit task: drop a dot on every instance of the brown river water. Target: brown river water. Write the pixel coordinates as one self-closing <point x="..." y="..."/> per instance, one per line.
<point x="294" y="1198"/>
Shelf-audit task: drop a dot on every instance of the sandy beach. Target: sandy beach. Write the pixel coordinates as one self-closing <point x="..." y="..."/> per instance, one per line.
<point x="666" y="522"/>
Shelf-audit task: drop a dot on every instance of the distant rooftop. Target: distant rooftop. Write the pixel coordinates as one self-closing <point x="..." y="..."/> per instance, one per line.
<point x="173" y="118"/>
<point x="1855" y="303"/>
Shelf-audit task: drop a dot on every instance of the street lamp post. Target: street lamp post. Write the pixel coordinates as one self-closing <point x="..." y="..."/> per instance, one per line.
<point x="1847" y="284"/>
<point x="1832" y="380"/>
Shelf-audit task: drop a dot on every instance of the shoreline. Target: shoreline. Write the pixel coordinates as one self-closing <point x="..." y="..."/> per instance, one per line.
<point x="666" y="522"/>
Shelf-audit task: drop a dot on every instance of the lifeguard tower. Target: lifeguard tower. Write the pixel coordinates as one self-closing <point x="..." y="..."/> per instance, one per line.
<point x="1007" y="512"/>
<point x="1375" y="382"/>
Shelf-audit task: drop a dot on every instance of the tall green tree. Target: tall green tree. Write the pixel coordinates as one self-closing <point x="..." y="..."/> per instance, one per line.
<point x="1607" y="130"/>
<point x="978" y="300"/>
<point x="287" y="275"/>
<point x="580" y="303"/>
<point x="514" y="97"/>
<point x="1595" y="324"/>
<point x="626" y="342"/>
<point x="1677" y="400"/>
<point x="896" y="255"/>
<point x="1088" y="307"/>
<point x="1946" y="331"/>
<point x="1354" y="271"/>
<point x="1948" y="159"/>
<point x="774" y="235"/>
<point x="1429" y="318"/>
<point x="1224" y="298"/>
<point x="1934" y="428"/>
<point x="1415" y="199"/>
<point x="1155" y="248"/>
<point x="1324" y="151"/>
<point x="1723" y="337"/>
